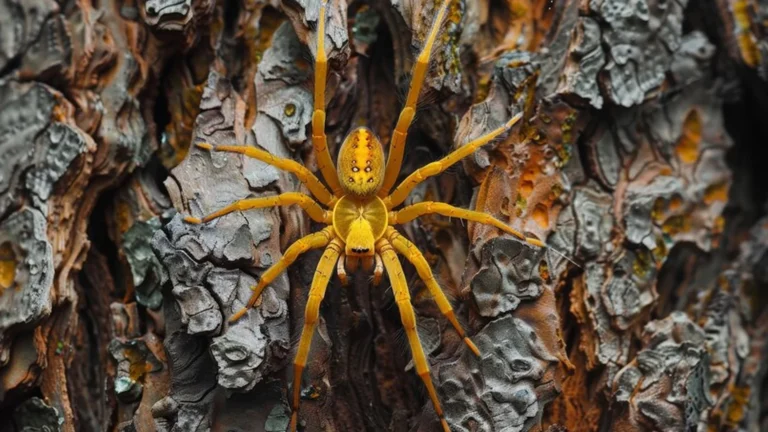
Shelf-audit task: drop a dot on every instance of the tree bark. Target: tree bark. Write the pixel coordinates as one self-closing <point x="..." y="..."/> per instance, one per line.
<point x="638" y="163"/>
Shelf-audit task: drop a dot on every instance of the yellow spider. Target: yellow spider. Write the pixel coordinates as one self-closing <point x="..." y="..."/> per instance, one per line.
<point x="360" y="223"/>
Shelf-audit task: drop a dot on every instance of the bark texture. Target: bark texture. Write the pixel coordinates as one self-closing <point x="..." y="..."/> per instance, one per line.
<point x="640" y="163"/>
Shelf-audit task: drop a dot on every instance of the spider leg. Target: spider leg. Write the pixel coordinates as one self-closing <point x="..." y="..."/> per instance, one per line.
<point x="311" y="314"/>
<point x="300" y="246"/>
<point x="397" y="143"/>
<point x="408" y="317"/>
<point x="300" y="171"/>
<point x="312" y="208"/>
<point x="378" y="270"/>
<point x="412" y="253"/>
<point x="341" y="271"/>
<point x="432" y="169"/>
<point x="411" y="212"/>
<point x="319" y="140"/>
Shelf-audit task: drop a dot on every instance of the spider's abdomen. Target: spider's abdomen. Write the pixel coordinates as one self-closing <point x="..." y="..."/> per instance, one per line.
<point x="361" y="163"/>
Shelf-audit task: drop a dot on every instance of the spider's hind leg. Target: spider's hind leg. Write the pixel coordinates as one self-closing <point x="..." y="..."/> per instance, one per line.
<point x="412" y="254"/>
<point x="408" y="317"/>
<point x="311" y="315"/>
<point x="300" y="246"/>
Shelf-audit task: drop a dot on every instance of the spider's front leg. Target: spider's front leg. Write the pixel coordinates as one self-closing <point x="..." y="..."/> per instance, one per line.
<point x="397" y="143"/>
<point x="319" y="140"/>
<point x="311" y="315"/>
<point x="408" y="317"/>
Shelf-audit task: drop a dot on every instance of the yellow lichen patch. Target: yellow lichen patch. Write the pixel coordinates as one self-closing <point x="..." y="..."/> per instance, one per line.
<point x="642" y="263"/>
<point x="526" y="187"/>
<point x="748" y="49"/>
<point x="530" y="175"/>
<point x="541" y="216"/>
<point x="717" y="229"/>
<point x="123" y="216"/>
<point x="139" y="366"/>
<point x="483" y="88"/>
<point x="742" y="13"/>
<point x="7" y="267"/>
<point x="660" y="251"/>
<point x="544" y="270"/>
<point x="658" y="210"/>
<point x="520" y="205"/>
<point x="449" y="39"/>
<point x="688" y="144"/>
<point x="738" y="405"/>
<point x="454" y="12"/>
<point x="676" y="225"/>
<point x="556" y="191"/>
<point x="675" y="203"/>
<point x="716" y="192"/>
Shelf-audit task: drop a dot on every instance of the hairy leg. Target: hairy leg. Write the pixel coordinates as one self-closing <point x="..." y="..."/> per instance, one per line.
<point x="408" y="317"/>
<point x="412" y="253"/>
<point x="300" y="171"/>
<point x="300" y="246"/>
<point x="313" y="209"/>
<point x="312" y="312"/>
<point x="401" y="192"/>
<point x="397" y="144"/>
<point x="319" y="140"/>
<point x="411" y="212"/>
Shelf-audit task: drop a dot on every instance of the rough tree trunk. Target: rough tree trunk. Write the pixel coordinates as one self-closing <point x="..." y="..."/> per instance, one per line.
<point x="640" y="163"/>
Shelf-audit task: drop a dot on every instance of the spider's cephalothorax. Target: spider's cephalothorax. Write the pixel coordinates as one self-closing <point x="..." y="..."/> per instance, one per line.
<point x="359" y="213"/>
